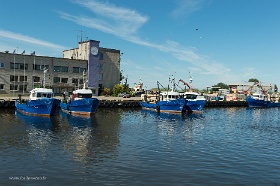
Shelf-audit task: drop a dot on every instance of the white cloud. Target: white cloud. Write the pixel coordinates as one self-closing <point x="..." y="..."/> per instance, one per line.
<point x="124" y="23"/>
<point x="186" y="7"/>
<point x="27" y="39"/>
<point x="111" y="19"/>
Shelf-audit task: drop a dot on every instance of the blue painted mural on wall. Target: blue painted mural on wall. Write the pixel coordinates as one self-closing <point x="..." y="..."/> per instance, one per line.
<point x="93" y="63"/>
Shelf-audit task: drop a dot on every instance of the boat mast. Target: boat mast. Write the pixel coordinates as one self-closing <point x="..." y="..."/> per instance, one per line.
<point x="44" y="80"/>
<point x="14" y="71"/>
<point x="84" y="79"/>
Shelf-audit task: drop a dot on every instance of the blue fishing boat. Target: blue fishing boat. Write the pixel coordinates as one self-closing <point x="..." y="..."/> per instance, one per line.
<point x="169" y="101"/>
<point x="80" y="102"/>
<point x="194" y="101"/>
<point x="40" y="102"/>
<point x="261" y="98"/>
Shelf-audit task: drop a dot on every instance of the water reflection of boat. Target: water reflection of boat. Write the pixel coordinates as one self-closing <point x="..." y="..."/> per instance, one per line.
<point x="173" y="117"/>
<point x="39" y="122"/>
<point x="80" y="121"/>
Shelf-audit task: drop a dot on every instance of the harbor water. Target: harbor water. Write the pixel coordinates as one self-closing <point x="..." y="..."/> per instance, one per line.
<point x="130" y="146"/>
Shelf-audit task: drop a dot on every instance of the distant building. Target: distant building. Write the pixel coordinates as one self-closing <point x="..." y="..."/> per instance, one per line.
<point x="103" y="66"/>
<point x="19" y="73"/>
<point x="242" y="87"/>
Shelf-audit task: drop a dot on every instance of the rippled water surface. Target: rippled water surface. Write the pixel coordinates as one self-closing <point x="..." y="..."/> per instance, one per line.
<point x="220" y="146"/>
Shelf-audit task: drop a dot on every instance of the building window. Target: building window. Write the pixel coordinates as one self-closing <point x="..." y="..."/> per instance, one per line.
<point x="21" y="87"/>
<point x="75" y="81"/>
<point x="76" y="69"/>
<point x="56" y="79"/>
<point x="64" y="69"/>
<point x="37" y="67"/>
<point x="2" y="65"/>
<point x="14" y="65"/>
<point x="57" y="68"/>
<point x="22" y="78"/>
<point x="83" y="70"/>
<point x="56" y="90"/>
<point x="23" y="66"/>
<point x="40" y="67"/>
<point x="64" y="80"/>
<point x="13" y="78"/>
<point x="13" y="87"/>
<point x="100" y="66"/>
<point x="100" y="76"/>
<point x="1" y="87"/>
<point x="36" y="79"/>
<point x="81" y="81"/>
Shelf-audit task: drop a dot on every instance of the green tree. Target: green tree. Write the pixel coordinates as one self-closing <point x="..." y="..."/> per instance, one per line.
<point x="105" y="92"/>
<point x="118" y="88"/>
<point x="253" y="80"/>
<point x="222" y="85"/>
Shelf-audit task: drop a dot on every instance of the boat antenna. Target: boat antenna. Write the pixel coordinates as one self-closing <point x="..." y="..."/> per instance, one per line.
<point x="190" y="77"/>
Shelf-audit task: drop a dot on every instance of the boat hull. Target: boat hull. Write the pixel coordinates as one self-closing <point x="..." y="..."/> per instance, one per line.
<point x="261" y="103"/>
<point x="85" y="106"/>
<point x="195" y="105"/>
<point x="172" y="106"/>
<point x="256" y="103"/>
<point x="41" y="107"/>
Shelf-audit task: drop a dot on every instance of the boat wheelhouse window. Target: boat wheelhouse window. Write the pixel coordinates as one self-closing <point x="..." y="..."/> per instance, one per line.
<point x="44" y="95"/>
<point x="84" y="95"/>
<point x="172" y="96"/>
<point x="190" y="96"/>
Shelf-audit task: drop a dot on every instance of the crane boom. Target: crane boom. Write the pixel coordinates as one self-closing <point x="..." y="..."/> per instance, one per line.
<point x="185" y="83"/>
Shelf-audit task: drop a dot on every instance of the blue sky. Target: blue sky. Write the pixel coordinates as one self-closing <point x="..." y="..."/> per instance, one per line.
<point x="216" y="41"/>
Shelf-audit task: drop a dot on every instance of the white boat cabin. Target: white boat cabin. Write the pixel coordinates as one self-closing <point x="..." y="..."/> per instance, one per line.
<point x="39" y="93"/>
<point x="193" y="96"/>
<point x="167" y="96"/>
<point x="81" y="93"/>
<point x="259" y="96"/>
